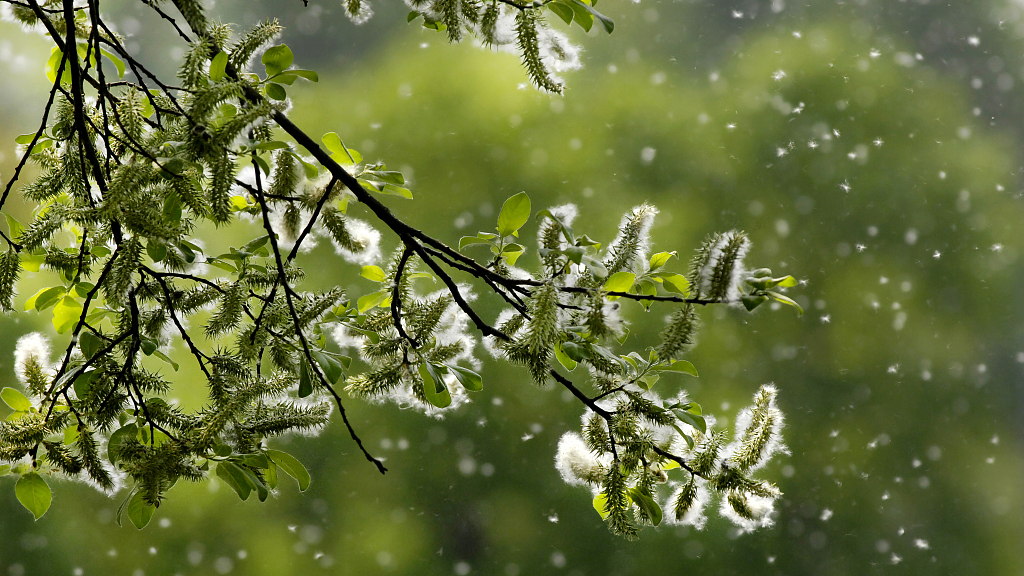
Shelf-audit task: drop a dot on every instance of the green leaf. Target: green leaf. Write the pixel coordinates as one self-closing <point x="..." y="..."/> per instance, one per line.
<point x="373" y="273"/>
<point x="581" y="16"/>
<point x="433" y="386"/>
<point x="16" y="400"/>
<point x="608" y="23"/>
<point x="233" y="476"/>
<point x="752" y="301"/>
<point x="217" y="66"/>
<point x="674" y="283"/>
<point x="679" y="366"/>
<point x="393" y="190"/>
<point x="694" y="420"/>
<point x="156" y="250"/>
<point x="469" y="379"/>
<point x="307" y="74"/>
<point x="786" y="282"/>
<point x="331" y="367"/>
<point x="601" y="505"/>
<point x="83" y="382"/>
<point x="71" y="434"/>
<point x="291" y="466"/>
<point x="271" y="476"/>
<point x="5" y="470"/>
<point x="619" y="282"/>
<point x="53" y="64"/>
<point x="660" y="259"/>
<point x="338" y="149"/>
<point x="166" y="359"/>
<point x="305" y="382"/>
<point x="514" y="213"/>
<point x="261" y="489"/>
<point x="276" y="91"/>
<point x="576" y="351"/>
<point x="788" y="301"/>
<point x="118" y="63"/>
<point x="14" y="226"/>
<point x="648" y="381"/>
<point x="687" y="437"/>
<point x="563" y="358"/>
<point x="561" y="10"/>
<point x="644" y="500"/>
<point x="34" y="494"/>
<point x="45" y="298"/>
<point x="140" y="512"/>
<point x="369" y="301"/>
<point x="470" y="240"/>
<point x="66" y="314"/>
<point x="277" y="59"/>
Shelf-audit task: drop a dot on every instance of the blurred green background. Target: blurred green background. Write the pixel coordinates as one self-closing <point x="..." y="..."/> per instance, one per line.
<point x="872" y="150"/>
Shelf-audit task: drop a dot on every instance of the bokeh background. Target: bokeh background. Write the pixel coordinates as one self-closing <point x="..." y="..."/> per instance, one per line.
<point x="871" y="149"/>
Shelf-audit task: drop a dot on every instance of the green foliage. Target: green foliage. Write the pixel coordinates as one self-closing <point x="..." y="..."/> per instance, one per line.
<point x="118" y="208"/>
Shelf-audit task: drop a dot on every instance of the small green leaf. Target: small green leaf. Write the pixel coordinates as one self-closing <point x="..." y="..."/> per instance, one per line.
<point x="217" y="66"/>
<point x="470" y="240"/>
<point x="675" y="283"/>
<point x="331" y="367"/>
<point x="166" y="359"/>
<point x="276" y="91"/>
<point x="752" y="301"/>
<point x="608" y="23"/>
<point x="66" y="314"/>
<point x="33" y="493"/>
<point x="307" y="74"/>
<point x="581" y="16"/>
<point x="687" y="437"/>
<point x="433" y="386"/>
<point x="694" y="420"/>
<point x="679" y="366"/>
<point x="338" y="149"/>
<point x="619" y="282"/>
<point x="373" y="273"/>
<point x="369" y="301"/>
<point x="786" y="282"/>
<point x="261" y="489"/>
<point x="643" y="499"/>
<point x="139" y="511"/>
<point x="291" y="466"/>
<point x="233" y="476"/>
<point x="16" y="400"/>
<point x="277" y="59"/>
<point x="576" y="351"/>
<point x="71" y="434"/>
<point x="563" y="358"/>
<point x="788" y="301"/>
<point x="514" y="213"/>
<point x="118" y="63"/>
<point x="469" y="379"/>
<point x="393" y="190"/>
<point x="45" y="298"/>
<point x="660" y="259"/>
<point x="14" y="226"/>
<point x="601" y="505"/>
<point x="561" y="10"/>
<point x="305" y="382"/>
